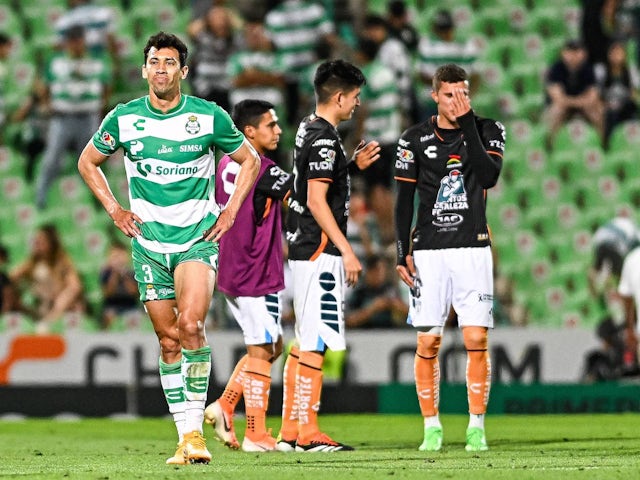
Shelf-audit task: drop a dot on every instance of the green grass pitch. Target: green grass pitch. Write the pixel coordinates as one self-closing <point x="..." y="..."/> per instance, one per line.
<point x="521" y="447"/>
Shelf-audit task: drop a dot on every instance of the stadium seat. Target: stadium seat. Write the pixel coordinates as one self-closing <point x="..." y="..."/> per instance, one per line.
<point x="576" y="135"/>
<point x="625" y="135"/>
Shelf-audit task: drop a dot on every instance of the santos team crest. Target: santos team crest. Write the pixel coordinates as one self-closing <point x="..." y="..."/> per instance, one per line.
<point x="192" y="126"/>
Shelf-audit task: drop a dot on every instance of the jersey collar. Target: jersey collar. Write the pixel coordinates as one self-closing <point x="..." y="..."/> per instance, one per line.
<point x="152" y="109"/>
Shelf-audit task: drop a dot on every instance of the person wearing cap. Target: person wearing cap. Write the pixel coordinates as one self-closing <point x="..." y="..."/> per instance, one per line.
<point x="571" y="89"/>
<point x="76" y="88"/>
<point x="443" y="46"/>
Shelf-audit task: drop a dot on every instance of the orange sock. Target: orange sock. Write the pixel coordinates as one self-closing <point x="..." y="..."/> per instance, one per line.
<point x="233" y="390"/>
<point x="289" y="429"/>
<point x="309" y="388"/>
<point x="427" y="373"/>
<point x="257" y="382"/>
<point x="478" y="370"/>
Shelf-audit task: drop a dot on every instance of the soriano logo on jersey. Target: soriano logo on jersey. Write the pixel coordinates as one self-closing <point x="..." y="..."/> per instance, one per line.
<point x="192" y="126"/>
<point x="143" y="169"/>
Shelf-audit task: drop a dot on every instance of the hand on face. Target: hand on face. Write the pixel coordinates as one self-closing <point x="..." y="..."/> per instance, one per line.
<point x="460" y="102"/>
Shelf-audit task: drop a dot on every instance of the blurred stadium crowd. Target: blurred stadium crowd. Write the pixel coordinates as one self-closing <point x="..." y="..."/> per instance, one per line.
<point x="551" y="198"/>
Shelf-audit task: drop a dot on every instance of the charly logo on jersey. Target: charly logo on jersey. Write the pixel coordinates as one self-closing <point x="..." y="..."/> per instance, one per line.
<point x="192" y="126"/>
<point x="452" y="198"/>
<point x="108" y="139"/>
<point x="454" y="161"/>
<point x="135" y="147"/>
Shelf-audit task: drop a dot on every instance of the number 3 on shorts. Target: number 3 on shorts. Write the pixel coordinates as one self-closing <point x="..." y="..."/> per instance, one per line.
<point x="148" y="274"/>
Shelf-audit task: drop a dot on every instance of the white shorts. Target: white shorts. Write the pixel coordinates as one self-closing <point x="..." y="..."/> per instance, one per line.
<point x="258" y="317"/>
<point x="318" y="297"/>
<point x="462" y="277"/>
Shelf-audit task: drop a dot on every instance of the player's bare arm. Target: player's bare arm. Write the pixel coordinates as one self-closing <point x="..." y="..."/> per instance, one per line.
<point x="89" y="168"/>
<point x="319" y="208"/>
<point x="249" y="162"/>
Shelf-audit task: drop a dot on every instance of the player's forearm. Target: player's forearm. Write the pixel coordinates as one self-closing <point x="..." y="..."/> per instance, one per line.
<point x="486" y="167"/>
<point x="247" y="175"/>
<point x="403" y="217"/>
<point x="96" y="181"/>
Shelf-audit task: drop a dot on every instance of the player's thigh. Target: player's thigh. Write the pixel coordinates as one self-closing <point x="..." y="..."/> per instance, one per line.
<point x="431" y="296"/>
<point x="194" y="277"/>
<point x="473" y="286"/>
<point x="258" y="317"/>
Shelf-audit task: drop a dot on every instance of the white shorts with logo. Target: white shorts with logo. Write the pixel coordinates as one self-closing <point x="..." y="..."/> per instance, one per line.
<point x="258" y="317"/>
<point x="458" y="277"/>
<point x="318" y="296"/>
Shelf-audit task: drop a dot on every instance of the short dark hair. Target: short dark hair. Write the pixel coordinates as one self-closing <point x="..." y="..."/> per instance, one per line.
<point x="336" y="75"/>
<point x="448" y="73"/>
<point x="369" y="48"/>
<point x="374" y="20"/>
<point x="248" y="112"/>
<point x="397" y="8"/>
<point x="167" y="40"/>
<point x="4" y="38"/>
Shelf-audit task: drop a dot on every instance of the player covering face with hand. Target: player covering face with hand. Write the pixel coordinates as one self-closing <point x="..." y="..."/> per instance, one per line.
<point x="451" y="159"/>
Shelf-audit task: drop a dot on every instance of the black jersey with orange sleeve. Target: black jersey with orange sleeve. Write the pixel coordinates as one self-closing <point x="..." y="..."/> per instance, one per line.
<point x="318" y="156"/>
<point x="451" y="169"/>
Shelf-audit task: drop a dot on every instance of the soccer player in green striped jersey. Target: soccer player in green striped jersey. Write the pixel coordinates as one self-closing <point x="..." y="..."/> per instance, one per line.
<point x="169" y="142"/>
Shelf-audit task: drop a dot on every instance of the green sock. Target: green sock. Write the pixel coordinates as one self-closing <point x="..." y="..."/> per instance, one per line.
<point x="196" y="368"/>
<point x="173" y="388"/>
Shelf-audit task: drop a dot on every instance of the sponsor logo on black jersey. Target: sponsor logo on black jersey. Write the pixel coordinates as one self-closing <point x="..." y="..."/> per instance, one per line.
<point x="324" y="142"/>
<point x="454" y="161"/>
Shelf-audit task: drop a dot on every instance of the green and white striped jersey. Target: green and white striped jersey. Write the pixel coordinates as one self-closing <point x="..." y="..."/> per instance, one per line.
<point x="170" y="165"/>
<point x="295" y="27"/>
<point x="76" y="84"/>
<point x="381" y="97"/>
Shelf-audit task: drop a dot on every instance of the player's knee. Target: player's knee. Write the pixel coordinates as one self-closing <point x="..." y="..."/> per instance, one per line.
<point x="190" y="324"/>
<point x="475" y="338"/>
<point x="428" y="345"/>
<point x="169" y="346"/>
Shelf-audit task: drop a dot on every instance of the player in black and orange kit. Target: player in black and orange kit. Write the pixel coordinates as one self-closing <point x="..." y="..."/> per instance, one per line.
<point x="451" y="159"/>
<point x="321" y="259"/>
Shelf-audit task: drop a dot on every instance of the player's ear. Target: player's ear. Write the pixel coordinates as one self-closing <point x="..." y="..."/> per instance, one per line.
<point x="144" y="72"/>
<point x="184" y="71"/>
<point x="249" y="131"/>
<point x="434" y="95"/>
